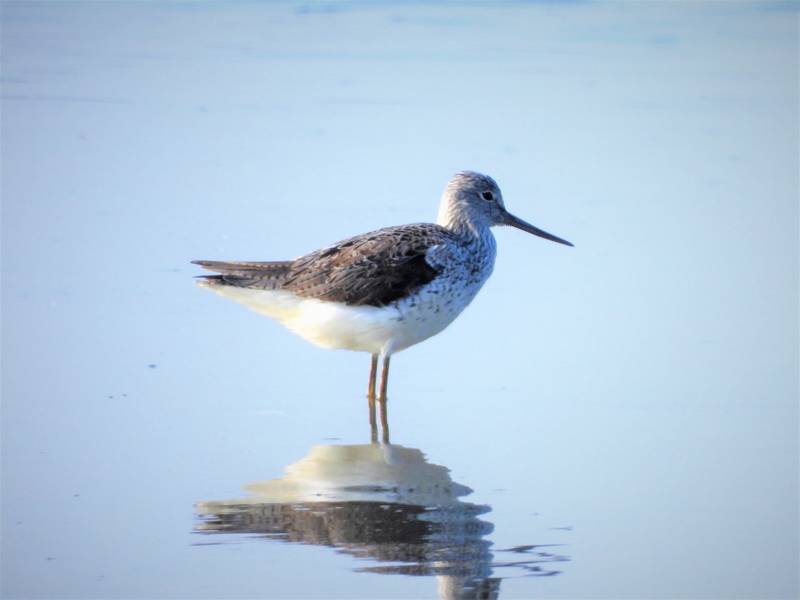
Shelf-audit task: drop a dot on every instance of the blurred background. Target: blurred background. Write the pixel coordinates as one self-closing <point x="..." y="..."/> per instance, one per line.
<point x="625" y="412"/>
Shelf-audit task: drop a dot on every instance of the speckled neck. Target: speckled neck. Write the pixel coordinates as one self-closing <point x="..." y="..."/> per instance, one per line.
<point x="478" y="238"/>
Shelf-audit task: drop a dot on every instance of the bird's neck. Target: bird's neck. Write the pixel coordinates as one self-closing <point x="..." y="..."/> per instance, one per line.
<point x="469" y="231"/>
<point x="453" y="216"/>
<point x="477" y="236"/>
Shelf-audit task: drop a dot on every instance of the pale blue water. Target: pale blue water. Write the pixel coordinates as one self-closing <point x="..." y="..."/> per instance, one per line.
<point x="625" y="411"/>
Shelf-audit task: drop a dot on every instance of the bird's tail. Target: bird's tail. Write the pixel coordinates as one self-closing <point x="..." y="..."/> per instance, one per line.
<point x="254" y="275"/>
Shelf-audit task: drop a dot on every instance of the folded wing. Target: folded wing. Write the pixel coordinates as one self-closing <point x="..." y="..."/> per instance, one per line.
<point x="374" y="269"/>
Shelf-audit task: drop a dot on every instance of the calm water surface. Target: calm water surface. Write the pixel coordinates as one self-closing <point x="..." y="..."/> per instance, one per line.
<point x="614" y="420"/>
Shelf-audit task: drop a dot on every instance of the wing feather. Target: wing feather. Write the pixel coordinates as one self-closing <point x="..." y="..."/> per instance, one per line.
<point x="261" y="275"/>
<point x="372" y="269"/>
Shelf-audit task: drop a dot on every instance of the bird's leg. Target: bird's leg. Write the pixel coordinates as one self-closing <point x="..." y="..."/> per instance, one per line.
<point x="373" y="371"/>
<point x="383" y="398"/>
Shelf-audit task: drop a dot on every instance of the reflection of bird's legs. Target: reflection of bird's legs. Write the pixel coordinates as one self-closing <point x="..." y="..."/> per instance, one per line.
<point x="382" y="398"/>
<point x="373" y="371"/>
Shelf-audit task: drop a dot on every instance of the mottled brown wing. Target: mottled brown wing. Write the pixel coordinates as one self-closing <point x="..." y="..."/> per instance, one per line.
<point x="372" y="269"/>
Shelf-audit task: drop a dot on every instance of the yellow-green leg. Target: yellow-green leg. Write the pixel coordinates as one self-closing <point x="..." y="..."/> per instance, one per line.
<point x="373" y="372"/>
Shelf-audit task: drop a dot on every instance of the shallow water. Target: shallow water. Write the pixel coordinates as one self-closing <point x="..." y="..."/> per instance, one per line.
<point x="617" y="419"/>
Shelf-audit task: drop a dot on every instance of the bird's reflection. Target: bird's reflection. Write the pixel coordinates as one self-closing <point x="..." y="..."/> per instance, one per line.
<point x="381" y="502"/>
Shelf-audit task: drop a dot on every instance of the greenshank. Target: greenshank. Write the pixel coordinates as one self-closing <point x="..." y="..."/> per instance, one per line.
<point x="386" y="290"/>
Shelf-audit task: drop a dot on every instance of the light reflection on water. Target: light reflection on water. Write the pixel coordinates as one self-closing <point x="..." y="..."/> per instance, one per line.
<point x="385" y="503"/>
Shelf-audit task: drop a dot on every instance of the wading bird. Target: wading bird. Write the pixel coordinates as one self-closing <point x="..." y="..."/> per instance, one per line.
<point x="383" y="291"/>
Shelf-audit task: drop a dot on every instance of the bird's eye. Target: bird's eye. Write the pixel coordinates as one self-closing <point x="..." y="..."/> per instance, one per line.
<point x="487" y="195"/>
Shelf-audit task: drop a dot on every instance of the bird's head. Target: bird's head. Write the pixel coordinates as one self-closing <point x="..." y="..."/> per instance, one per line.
<point x="474" y="201"/>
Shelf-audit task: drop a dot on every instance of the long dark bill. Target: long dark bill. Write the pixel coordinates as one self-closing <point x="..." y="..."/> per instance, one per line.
<point x="525" y="226"/>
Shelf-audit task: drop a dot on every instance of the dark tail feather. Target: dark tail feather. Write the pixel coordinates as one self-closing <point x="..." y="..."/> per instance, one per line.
<point x="258" y="275"/>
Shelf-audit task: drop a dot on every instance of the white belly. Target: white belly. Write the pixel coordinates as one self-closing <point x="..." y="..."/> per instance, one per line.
<point x="377" y="330"/>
